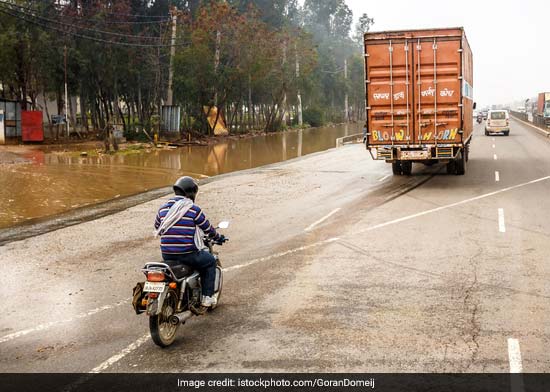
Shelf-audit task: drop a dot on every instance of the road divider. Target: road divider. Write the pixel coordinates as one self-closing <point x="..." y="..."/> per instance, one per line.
<point x="501" y="225"/>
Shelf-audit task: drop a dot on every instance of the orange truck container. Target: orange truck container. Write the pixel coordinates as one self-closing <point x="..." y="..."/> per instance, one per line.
<point x="419" y="98"/>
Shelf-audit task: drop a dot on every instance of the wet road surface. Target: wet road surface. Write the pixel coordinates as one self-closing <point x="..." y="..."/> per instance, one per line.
<point x="333" y="265"/>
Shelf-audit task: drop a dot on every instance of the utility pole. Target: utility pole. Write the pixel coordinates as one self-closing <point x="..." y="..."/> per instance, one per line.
<point x="285" y="113"/>
<point x="174" y="14"/>
<point x="217" y="61"/>
<point x="66" y="94"/>
<point x="299" y="96"/>
<point x="346" y="109"/>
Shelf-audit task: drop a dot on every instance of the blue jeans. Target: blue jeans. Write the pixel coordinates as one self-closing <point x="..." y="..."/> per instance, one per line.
<point x="201" y="261"/>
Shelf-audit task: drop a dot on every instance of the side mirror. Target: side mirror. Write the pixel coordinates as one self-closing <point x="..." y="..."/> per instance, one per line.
<point x="475" y="104"/>
<point x="223" y="225"/>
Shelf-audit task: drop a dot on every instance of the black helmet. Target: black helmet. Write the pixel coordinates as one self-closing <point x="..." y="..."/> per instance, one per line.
<point x="186" y="186"/>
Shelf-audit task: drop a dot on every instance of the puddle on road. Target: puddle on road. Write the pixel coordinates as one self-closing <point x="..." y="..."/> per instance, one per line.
<point x="56" y="183"/>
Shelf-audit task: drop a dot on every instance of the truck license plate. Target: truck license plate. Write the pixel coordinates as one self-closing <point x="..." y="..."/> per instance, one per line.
<point x="154" y="287"/>
<point x="414" y="154"/>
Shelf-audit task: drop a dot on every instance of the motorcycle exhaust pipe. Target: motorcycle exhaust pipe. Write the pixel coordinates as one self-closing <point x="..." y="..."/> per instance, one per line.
<point x="176" y="319"/>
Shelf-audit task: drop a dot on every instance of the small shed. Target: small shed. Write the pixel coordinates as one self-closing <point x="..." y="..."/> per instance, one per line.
<point x="12" y="117"/>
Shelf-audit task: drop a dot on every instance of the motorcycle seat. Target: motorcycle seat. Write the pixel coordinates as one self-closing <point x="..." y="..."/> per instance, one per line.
<point x="180" y="270"/>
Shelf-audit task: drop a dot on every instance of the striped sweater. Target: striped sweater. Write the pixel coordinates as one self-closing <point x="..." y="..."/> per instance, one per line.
<point x="179" y="239"/>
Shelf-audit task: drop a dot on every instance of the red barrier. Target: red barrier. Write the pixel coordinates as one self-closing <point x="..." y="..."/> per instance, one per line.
<point x="31" y="126"/>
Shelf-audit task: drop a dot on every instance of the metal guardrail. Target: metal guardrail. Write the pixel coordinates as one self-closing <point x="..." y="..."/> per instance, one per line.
<point x="521" y="116"/>
<point x="350" y="139"/>
<point x="538" y="122"/>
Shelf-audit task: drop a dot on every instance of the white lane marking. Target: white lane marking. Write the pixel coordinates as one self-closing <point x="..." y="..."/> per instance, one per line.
<point x="497" y="176"/>
<point x="324" y="218"/>
<point x="501" y="226"/>
<point x="514" y="356"/>
<point x="495" y="157"/>
<point x="281" y="254"/>
<point x="458" y="203"/>
<point x="493" y="139"/>
<point x="117" y="357"/>
<point x="493" y="146"/>
<point x="383" y="178"/>
<point x="42" y="327"/>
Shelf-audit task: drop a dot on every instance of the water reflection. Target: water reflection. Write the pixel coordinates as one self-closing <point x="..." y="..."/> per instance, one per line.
<point x="55" y="183"/>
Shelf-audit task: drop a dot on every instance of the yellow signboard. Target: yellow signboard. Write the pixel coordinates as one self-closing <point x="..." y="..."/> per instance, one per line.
<point x="211" y="113"/>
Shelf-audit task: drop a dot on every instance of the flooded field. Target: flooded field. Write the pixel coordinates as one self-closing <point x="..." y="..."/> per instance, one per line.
<point x="55" y="183"/>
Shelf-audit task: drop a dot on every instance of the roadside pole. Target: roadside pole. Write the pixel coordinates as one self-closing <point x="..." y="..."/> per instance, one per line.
<point x="174" y="14"/>
<point x="66" y="95"/>
<point x="299" y="95"/>
<point x="346" y="110"/>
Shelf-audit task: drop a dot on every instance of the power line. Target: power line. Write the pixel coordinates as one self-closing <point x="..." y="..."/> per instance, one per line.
<point x="48" y="20"/>
<point x="88" y="37"/>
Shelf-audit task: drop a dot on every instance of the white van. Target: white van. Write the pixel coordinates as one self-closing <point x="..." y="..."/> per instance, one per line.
<point x="498" y="121"/>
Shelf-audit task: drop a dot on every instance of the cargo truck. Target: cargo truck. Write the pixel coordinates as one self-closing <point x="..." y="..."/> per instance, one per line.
<point x="419" y="98"/>
<point x="543" y="108"/>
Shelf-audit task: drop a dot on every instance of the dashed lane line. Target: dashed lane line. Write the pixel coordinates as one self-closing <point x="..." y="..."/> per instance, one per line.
<point x="324" y="218"/>
<point x="514" y="356"/>
<point x="501" y="225"/>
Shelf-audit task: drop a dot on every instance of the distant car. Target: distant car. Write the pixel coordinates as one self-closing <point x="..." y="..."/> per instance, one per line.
<point x="498" y="121"/>
<point x="521" y="110"/>
<point x="484" y="113"/>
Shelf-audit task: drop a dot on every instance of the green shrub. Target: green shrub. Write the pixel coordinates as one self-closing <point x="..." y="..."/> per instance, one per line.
<point x="314" y="117"/>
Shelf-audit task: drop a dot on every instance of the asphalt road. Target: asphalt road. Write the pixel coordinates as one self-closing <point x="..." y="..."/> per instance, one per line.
<point x="427" y="273"/>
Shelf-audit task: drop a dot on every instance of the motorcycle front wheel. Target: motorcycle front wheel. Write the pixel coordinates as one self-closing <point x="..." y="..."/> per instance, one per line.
<point x="162" y="331"/>
<point x="218" y="293"/>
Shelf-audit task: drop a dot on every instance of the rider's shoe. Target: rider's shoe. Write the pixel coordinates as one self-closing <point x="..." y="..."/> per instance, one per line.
<point x="208" y="302"/>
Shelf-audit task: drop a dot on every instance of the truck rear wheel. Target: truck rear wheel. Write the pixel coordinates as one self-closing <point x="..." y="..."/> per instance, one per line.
<point x="460" y="163"/>
<point x="406" y="168"/>
<point x="451" y="167"/>
<point x="396" y="168"/>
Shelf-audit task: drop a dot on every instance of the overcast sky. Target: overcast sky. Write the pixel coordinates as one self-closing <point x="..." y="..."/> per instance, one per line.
<point x="510" y="40"/>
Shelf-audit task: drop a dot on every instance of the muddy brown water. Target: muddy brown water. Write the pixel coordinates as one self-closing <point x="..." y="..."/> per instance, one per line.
<point x="56" y="183"/>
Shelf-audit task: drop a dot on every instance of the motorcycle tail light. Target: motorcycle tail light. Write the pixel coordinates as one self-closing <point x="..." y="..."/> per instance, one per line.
<point x="155" y="276"/>
<point x="153" y="295"/>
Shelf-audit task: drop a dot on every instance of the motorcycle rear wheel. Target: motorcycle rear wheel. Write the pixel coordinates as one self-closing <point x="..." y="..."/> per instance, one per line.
<point x="162" y="331"/>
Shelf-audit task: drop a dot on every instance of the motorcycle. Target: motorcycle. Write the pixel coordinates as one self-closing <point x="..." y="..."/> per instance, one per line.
<point x="479" y="119"/>
<point x="172" y="294"/>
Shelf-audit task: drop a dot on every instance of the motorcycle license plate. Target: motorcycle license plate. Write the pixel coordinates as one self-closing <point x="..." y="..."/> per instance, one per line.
<point x="154" y="287"/>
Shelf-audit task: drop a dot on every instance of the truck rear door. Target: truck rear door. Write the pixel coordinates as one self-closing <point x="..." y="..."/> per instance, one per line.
<point x="389" y="70"/>
<point x="437" y="73"/>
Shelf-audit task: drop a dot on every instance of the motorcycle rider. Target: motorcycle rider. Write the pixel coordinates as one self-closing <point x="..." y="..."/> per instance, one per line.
<point x="180" y="224"/>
